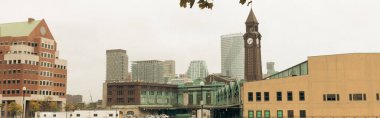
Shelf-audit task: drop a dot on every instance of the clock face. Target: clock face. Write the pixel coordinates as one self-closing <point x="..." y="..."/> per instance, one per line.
<point x="43" y="30"/>
<point x="250" y="41"/>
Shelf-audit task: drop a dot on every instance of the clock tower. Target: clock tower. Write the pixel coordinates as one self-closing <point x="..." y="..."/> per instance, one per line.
<point x="252" y="46"/>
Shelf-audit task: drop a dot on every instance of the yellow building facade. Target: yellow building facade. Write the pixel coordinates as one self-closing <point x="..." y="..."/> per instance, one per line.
<point x="343" y="85"/>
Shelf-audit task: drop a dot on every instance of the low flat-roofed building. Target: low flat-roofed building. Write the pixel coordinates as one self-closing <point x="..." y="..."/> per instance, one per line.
<point x="342" y="85"/>
<point x="81" y="114"/>
<point x="135" y="97"/>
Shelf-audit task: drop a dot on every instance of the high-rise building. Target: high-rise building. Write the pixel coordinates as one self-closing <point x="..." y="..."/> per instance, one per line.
<point x="197" y="69"/>
<point x="233" y="55"/>
<point x="148" y="71"/>
<point x="117" y="65"/>
<point x="168" y="67"/>
<point x="30" y="65"/>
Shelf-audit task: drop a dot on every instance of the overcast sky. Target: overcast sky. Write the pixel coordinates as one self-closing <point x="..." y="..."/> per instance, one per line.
<point x="160" y="29"/>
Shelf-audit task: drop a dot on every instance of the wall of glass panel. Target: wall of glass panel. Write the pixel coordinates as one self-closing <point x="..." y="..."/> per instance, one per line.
<point x="297" y="70"/>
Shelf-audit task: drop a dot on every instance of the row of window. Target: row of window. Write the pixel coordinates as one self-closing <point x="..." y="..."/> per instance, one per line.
<point x="326" y="97"/>
<point x="78" y="115"/>
<point x="33" y="44"/>
<point x="42" y="82"/>
<point x="40" y="92"/>
<point x="47" y="46"/>
<point x="266" y="96"/>
<point x="19" y="52"/>
<point x="30" y="62"/>
<point x="352" y="97"/>
<point x="47" y="55"/>
<point x="155" y="93"/>
<point x="280" y="114"/>
<point x="41" y="73"/>
<point x="121" y="100"/>
<point x="44" y="54"/>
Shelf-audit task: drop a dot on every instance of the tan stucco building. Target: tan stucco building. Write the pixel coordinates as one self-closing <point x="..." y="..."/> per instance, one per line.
<point x="323" y="86"/>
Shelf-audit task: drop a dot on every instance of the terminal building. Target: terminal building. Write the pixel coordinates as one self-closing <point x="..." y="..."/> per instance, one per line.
<point x="342" y="85"/>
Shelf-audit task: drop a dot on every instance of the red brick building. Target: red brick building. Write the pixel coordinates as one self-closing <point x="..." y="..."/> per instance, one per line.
<point x="29" y="58"/>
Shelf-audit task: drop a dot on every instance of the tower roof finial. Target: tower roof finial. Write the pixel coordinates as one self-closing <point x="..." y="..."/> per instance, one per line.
<point x="251" y="18"/>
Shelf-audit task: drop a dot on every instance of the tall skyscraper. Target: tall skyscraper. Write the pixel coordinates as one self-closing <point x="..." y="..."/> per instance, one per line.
<point x="148" y="71"/>
<point x="117" y="65"/>
<point x="30" y="64"/>
<point x="252" y="39"/>
<point x="168" y="70"/>
<point x="197" y="69"/>
<point x="233" y="55"/>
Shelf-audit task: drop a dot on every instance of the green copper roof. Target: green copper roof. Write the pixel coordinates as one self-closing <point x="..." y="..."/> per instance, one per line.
<point x="18" y="28"/>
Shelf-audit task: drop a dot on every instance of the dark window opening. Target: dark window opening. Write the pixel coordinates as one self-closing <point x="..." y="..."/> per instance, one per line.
<point x="302" y="96"/>
<point x="266" y="96"/>
<point x="250" y="96"/>
<point x="258" y="97"/>
<point x="290" y="96"/>
<point x="302" y="113"/>
<point x="279" y="96"/>
<point x="290" y="114"/>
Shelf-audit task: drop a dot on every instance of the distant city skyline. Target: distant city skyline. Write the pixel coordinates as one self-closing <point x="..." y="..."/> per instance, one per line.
<point x="291" y="29"/>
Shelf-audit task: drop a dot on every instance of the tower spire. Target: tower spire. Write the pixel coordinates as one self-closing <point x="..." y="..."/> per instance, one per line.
<point x="251" y="18"/>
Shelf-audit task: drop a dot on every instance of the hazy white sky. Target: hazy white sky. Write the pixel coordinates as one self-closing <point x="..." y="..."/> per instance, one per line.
<point x="160" y="29"/>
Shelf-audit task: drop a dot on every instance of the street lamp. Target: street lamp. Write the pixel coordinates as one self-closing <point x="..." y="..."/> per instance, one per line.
<point x="23" y="101"/>
<point x="202" y="83"/>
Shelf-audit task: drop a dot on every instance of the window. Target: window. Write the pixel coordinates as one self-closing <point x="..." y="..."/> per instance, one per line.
<point x="78" y="115"/>
<point x="279" y="96"/>
<point x="330" y="97"/>
<point x="290" y="96"/>
<point x="109" y="99"/>
<point x="95" y="115"/>
<point x="54" y="115"/>
<point x="266" y="114"/>
<point x="377" y="96"/>
<point x="302" y="113"/>
<point x="258" y="97"/>
<point x="266" y="96"/>
<point x="279" y="114"/>
<point x="159" y="92"/>
<point x="302" y="95"/>
<point x="110" y="115"/>
<point x="250" y="114"/>
<point x="250" y="96"/>
<point x="357" y="97"/>
<point x="258" y="114"/>
<point x="120" y="100"/>
<point x="290" y="114"/>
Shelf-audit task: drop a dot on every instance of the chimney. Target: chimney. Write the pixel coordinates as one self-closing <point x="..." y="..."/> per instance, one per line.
<point x="30" y="20"/>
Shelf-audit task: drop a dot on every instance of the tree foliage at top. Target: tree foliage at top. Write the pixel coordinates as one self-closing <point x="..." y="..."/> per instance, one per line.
<point x="204" y="3"/>
<point x="14" y="108"/>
